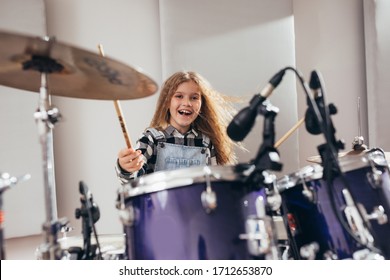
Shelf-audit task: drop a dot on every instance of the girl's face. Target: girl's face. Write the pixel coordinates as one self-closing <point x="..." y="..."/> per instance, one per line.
<point x="185" y="106"/>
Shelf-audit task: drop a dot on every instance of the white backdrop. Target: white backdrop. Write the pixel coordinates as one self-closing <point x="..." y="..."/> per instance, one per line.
<point x="330" y="39"/>
<point x="377" y="30"/>
<point x="20" y="151"/>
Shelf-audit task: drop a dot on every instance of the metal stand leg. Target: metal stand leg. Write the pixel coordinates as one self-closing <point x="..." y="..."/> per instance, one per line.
<point x="46" y="117"/>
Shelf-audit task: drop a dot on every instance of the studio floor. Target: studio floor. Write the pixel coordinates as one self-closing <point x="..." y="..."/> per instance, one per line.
<point x="22" y="248"/>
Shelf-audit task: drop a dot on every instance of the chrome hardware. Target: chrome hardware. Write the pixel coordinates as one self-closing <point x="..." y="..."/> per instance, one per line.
<point x="307" y="192"/>
<point x="126" y="214"/>
<point x="208" y="196"/>
<point x="355" y="220"/>
<point x="366" y="254"/>
<point x="374" y="177"/>
<point x="379" y="215"/>
<point x="65" y="229"/>
<point x="309" y="251"/>
<point x="274" y="199"/>
<point x="7" y="181"/>
<point x="329" y="255"/>
<point x="260" y="233"/>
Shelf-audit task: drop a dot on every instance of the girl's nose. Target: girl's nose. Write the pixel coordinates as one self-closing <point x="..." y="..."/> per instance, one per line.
<point x="187" y="101"/>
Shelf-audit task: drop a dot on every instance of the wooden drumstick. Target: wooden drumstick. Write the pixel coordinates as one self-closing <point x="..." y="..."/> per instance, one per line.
<point x="284" y="137"/>
<point x="119" y="111"/>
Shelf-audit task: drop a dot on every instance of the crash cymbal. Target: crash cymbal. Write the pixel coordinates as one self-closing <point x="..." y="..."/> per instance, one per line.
<point x="71" y="71"/>
<point x="317" y="159"/>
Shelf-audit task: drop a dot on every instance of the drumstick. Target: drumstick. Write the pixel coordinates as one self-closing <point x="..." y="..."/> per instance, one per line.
<point x="284" y="137"/>
<point x="119" y="111"/>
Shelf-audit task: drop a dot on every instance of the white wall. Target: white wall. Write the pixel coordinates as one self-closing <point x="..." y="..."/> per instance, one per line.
<point x="330" y="39"/>
<point x="20" y="151"/>
<point x="377" y="30"/>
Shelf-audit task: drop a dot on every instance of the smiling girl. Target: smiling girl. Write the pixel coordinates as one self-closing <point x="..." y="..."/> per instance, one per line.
<point x="188" y="129"/>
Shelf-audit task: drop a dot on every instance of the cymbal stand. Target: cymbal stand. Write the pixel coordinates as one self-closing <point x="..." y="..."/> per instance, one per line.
<point x="46" y="117"/>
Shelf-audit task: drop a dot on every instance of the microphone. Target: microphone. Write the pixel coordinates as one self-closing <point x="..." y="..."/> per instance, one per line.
<point x="243" y="122"/>
<point x="311" y="122"/>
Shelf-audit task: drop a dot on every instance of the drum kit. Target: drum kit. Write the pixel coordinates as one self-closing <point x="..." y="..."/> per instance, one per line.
<point x="237" y="212"/>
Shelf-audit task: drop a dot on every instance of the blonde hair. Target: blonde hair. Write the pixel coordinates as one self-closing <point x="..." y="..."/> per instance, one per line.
<point x="216" y="113"/>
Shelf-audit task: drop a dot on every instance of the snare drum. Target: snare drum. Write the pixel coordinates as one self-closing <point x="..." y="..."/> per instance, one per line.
<point x="314" y="229"/>
<point x="194" y="213"/>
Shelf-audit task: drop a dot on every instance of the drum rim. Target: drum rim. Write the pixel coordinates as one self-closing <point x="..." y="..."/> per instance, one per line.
<point x="347" y="163"/>
<point x="171" y="179"/>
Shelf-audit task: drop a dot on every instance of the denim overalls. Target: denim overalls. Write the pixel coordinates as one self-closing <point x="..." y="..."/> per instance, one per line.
<point x="174" y="156"/>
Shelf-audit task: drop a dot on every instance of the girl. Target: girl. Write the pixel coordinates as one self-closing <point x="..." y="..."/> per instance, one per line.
<point x="188" y="129"/>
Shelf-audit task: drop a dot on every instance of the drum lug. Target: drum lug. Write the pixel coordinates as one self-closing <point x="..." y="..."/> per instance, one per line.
<point x="379" y="215"/>
<point x="366" y="254"/>
<point x="375" y="178"/>
<point x="126" y="215"/>
<point x="209" y="200"/>
<point x="208" y="196"/>
<point x="309" y="251"/>
<point x="355" y="220"/>
<point x="308" y="193"/>
<point x="259" y="234"/>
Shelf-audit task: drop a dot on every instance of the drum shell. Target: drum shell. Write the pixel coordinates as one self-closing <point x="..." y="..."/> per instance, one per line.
<point x="173" y="223"/>
<point x="316" y="221"/>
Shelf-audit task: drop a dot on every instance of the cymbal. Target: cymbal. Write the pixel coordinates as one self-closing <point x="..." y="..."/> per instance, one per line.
<point x="71" y="71"/>
<point x="317" y="159"/>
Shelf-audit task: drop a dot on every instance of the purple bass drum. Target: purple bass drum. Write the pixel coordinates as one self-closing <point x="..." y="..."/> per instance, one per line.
<point x="339" y="221"/>
<point x="195" y="213"/>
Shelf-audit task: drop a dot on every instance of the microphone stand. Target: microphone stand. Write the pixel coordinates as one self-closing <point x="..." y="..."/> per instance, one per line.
<point x="267" y="157"/>
<point x="90" y="214"/>
<point x="329" y="157"/>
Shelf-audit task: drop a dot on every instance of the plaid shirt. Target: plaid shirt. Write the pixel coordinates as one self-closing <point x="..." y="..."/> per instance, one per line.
<point x="147" y="143"/>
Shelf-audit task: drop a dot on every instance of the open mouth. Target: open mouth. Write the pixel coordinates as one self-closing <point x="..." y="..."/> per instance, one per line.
<point x="185" y="112"/>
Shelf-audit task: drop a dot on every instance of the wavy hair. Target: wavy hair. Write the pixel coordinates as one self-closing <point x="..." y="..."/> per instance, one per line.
<point x="215" y="114"/>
